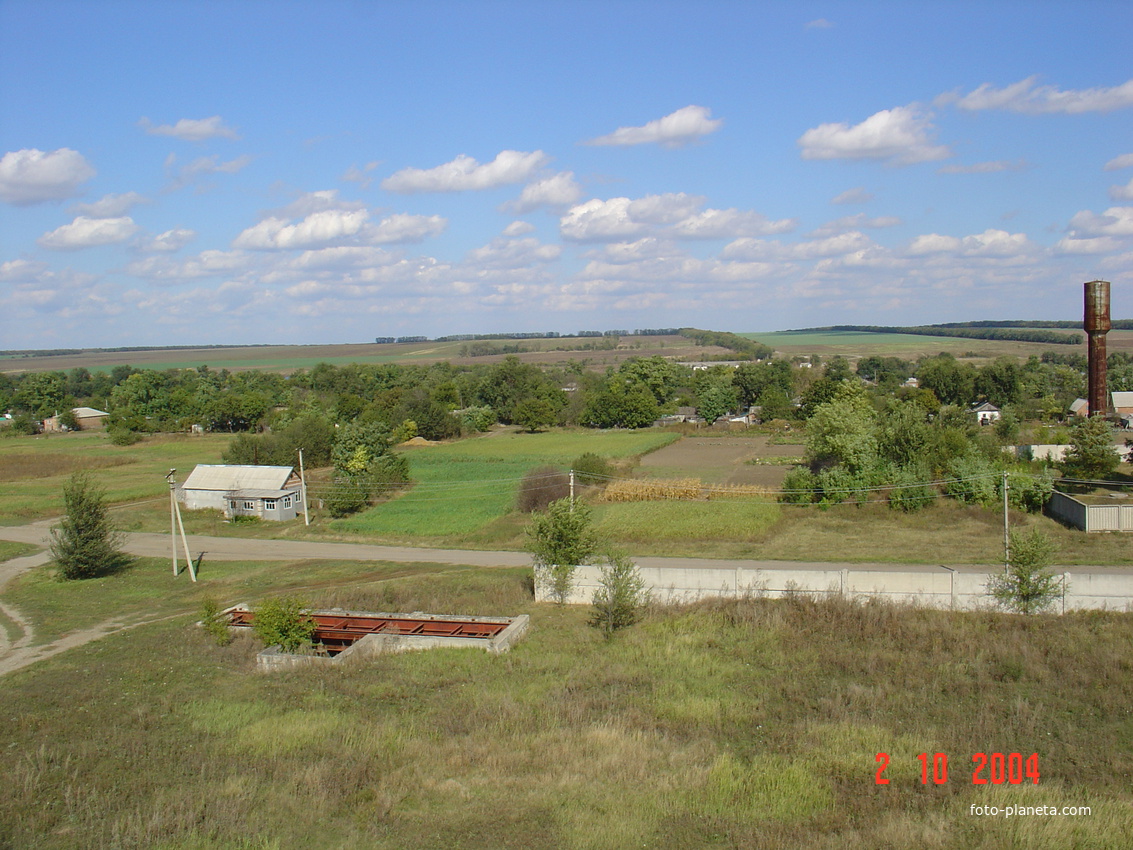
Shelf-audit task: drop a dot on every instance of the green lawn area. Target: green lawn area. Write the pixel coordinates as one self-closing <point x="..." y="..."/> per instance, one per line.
<point x="732" y="724"/>
<point x="460" y="488"/>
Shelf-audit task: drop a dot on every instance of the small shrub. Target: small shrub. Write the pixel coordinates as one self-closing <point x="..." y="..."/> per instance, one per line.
<point x="559" y="540"/>
<point x="621" y="595"/>
<point x="214" y="622"/>
<point x="284" y="622"/>
<point x="1027" y="586"/>
<point x="592" y="469"/>
<point x="540" y="487"/>
<point x="799" y="487"/>
<point x="123" y="436"/>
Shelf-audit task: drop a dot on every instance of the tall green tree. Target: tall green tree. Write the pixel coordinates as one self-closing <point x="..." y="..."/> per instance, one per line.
<point x="86" y="544"/>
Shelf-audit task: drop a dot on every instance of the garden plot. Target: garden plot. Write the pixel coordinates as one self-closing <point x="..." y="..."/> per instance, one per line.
<point x="723" y="460"/>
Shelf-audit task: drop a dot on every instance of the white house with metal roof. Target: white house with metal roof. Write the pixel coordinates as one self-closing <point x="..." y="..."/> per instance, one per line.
<point x="268" y="492"/>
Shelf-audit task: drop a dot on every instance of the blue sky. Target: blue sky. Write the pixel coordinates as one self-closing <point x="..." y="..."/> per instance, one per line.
<point x="251" y="172"/>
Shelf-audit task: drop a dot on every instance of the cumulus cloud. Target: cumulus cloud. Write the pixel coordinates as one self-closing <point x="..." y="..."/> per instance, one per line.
<point x="558" y="190"/>
<point x="466" y="174"/>
<point x="518" y="228"/>
<point x="317" y="229"/>
<point x="1028" y="97"/>
<point x="1118" y="162"/>
<point x="1115" y="221"/>
<point x="191" y="130"/>
<point x="857" y="195"/>
<point x="761" y="250"/>
<point x="86" y="232"/>
<point x="990" y="243"/>
<point x="110" y="206"/>
<point x="902" y="136"/>
<point x="1122" y="193"/>
<point x="169" y="241"/>
<point x="31" y="176"/>
<point x="211" y="263"/>
<point x="403" y="228"/>
<point x="674" y="214"/>
<point x="985" y="167"/>
<point x="313" y="202"/>
<point x="674" y="130"/>
<point x="504" y="253"/>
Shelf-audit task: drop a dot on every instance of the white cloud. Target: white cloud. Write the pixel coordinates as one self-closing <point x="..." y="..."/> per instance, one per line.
<point x="110" y="206"/>
<point x="761" y="250"/>
<point x="31" y="176"/>
<point x="902" y="136"/>
<point x="857" y="195"/>
<point x="990" y="243"/>
<point x="466" y="174"/>
<point x="1122" y="193"/>
<point x="599" y="221"/>
<point x="313" y="202"/>
<point x="558" y="190"/>
<point x="403" y="228"/>
<point x="190" y="129"/>
<point x="201" y="167"/>
<point x="819" y="24"/>
<point x="860" y="221"/>
<point x="1028" y="97"/>
<point x="518" y="228"/>
<point x="513" y="253"/>
<point x="675" y="214"/>
<point x="674" y="130"/>
<point x="1123" y="161"/>
<point x="316" y="230"/>
<point x="86" y="232"/>
<point x="211" y="263"/>
<point x="985" y="167"/>
<point x="169" y="241"/>
<point x="1115" y="221"/>
<point x="361" y="176"/>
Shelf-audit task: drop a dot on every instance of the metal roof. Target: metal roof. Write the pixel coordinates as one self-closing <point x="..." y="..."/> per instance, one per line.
<point x="1122" y="399"/>
<point x="259" y="494"/>
<point x="229" y="477"/>
<point x="87" y="412"/>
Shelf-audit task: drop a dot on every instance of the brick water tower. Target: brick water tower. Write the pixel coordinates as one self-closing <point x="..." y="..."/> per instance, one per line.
<point x="1096" y="325"/>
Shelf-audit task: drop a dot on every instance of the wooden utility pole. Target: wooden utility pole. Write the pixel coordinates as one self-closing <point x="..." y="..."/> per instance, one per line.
<point x="175" y="525"/>
<point x="303" y="489"/>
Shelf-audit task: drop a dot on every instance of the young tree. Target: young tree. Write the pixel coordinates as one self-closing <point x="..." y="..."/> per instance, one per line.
<point x="559" y="540"/>
<point x="620" y="597"/>
<point x="284" y="622"/>
<point x="1027" y="586"/>
<point x="85" y="544"/>
<point x="1091" y="454"/>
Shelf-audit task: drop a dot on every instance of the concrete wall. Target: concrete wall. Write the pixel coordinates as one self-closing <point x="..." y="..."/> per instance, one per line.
<point x="932" y="586"/>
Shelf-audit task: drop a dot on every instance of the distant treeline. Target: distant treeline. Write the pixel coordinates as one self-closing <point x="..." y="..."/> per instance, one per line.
<point x="53" y="352"/>
<point x="745" y="349"/>
<point x="530" y="335"/>
<point x="1015" y="331"/>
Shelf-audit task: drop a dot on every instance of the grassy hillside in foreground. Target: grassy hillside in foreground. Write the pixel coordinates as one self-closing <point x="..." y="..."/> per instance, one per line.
<point x="752" y="724"/>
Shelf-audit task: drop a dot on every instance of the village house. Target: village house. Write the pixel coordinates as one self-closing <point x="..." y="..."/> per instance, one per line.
<point x="267" y="492"/>
<point x="986" y="413"/>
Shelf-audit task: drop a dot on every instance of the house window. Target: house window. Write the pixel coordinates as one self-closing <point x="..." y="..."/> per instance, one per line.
<point x="269" y="504"/>
<point x="232" y="505"/>
<point x="249" y="506"/>
<point x="287" y="501"/>
<point x="298" y="496"/>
